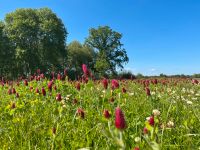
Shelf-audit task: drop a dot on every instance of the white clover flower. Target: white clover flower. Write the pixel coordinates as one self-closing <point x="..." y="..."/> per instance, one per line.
<point x="183" y="90"/>
<point x="137" y="139"/>
<point x="189" y="102"/>
<point x="147" y="118"/>
<point x="153" y="93"/>
<point x="68" y="95"/>
<point x="104" y="91"/>
<point x="131" y="94"/>
<point x="170" y="124"/>
<point x="63" y="102"/>
<point x="197" y="94"/>
<point x="156" y="112"/>
<point x="168" y="90"/>
<point x="191" y="91"/>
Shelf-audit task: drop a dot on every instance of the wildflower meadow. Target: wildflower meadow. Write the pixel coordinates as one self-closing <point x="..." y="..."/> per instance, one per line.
<point x="139" y="114"/>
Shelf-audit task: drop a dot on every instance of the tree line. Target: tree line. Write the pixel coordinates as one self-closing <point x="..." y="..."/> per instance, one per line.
<point x="36" y="38"/>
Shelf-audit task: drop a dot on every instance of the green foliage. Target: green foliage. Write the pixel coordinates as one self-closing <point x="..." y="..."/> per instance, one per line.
<point x="6" y="53"/>
<point x="79" y="54"/>
<point x="126" y="75"/>
<point x="38" y="37"/>
<point x="110" y="54"/>
<point x="34" y="121"/>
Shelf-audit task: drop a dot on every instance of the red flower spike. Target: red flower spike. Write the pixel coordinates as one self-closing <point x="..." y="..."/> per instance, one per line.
<point x="115" y="84"/>
<point x="106" y="114"/>
<point x="105" y="83"/>
<point x="43" y="91"/>
<point x="85" y="70"/>
<point x="145" y="130"/>
<point x="50" y="85"/>
<point x="17" y="95"/>
<point x="151" y="120"/>
<point x="123" y="90"/>
<point x="81" y="113"/>
<point x="26" y="82"/>
<point x="136" y="148"/>
<point x="78" y="86"/>
<point x="65" y="72"/>
<point x="13" y="91"/>
<point x="58" y="97"/>
<point x="58" y="76"/>
<point x="120" y="122"/>
<point x="148" y="91"/>
<point x="13" y="105"/>
<point x="37" y="90"/>
<point x="38" y="71"/>
<point x="9" y="91"/>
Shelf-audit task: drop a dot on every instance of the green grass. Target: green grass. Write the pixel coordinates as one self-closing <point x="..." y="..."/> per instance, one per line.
<point x="29" y="125"/>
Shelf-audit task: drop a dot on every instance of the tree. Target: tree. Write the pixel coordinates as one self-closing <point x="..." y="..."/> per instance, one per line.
<point x="79" y="54"/>
<point x="6" y="53"/>
<point x="38" y="37"/>
<point x="107" y="44"/>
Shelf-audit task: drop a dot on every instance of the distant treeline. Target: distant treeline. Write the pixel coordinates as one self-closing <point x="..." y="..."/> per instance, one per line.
<point x="36" y="38"/>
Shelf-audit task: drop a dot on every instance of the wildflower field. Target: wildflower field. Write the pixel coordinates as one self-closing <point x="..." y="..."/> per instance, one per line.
<point x="41" y="113"/>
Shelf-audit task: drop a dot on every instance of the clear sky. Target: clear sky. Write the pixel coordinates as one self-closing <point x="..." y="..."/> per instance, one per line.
<point x="160" y="36"/>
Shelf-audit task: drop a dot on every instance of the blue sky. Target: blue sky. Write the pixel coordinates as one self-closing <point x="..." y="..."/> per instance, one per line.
<point x="160" y="36"/>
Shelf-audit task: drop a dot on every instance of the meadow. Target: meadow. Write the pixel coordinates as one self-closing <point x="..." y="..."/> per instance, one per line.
<point x="40" y="113"/>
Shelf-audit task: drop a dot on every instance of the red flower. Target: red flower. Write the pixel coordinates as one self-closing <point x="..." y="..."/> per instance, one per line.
<point x="31" y="88"/>
<point x="17" y="95"/>
<point x="26" y="82"/>
<point x="105" y="83"/>
<point x="42" y="76"/>
<point x="43" y="91"/>
<point x="194" y="81"/>
<point x="115" y="84"/>
<point x="65" y="72"/>
<point x="81" y="113"/>
<point x="37" y="90"/>
<point x="55" y="87"/>
<point x="145" y="130"/>
<point x="151" y="120"/>
<point x="13" y="105"/>
<point x="58" y="76"/>
<point x="58" y="97"/>
<point x="155" y="81"/>
<point x="106" y="114"/>
<point x="136" y="148"/>
<point x="50" y="85"/>
<point x="38" y="71"/>
<point x="13" y="90"/>
<point x="148" y="91"/>
<point x="9" y="91"/>
<point x="85" y="70"/>
<point x="78" y="86"/>
<point x="120" y="122"/>
<point x="123" y="90"/>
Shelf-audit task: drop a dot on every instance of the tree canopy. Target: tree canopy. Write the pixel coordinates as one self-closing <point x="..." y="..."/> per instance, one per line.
<point x="79" y="54"/>
<point x="110" y="53"/>
<point x="36" y="38"/>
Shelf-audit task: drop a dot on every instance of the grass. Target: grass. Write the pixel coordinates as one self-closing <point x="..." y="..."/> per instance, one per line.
<point x="34" y="121"/>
